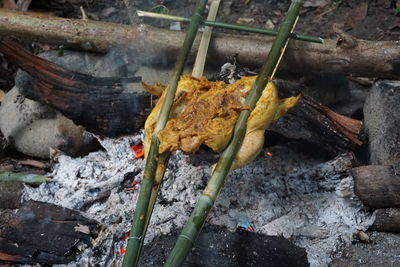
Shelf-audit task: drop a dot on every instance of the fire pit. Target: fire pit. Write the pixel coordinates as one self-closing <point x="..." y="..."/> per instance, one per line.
<point x="287" y="191"/>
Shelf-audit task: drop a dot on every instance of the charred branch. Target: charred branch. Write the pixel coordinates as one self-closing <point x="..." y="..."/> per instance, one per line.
<point x="44" y="233"/>
<point x="316" y="123"/>
<point x="386" y="220"/>
<point x="99" y="104"/>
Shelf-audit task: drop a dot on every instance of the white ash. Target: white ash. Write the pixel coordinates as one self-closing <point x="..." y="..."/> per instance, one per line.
<point x="290" y="193"/>
<point x="315" y="206"/>
<point x="229" y="70"/>
<point x="79" y="181"/>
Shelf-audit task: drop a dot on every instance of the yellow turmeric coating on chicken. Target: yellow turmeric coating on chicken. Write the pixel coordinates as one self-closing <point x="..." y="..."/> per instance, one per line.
<point x="205" y="112"/>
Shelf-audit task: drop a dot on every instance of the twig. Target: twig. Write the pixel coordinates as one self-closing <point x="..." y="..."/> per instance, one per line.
<point x="32" y="179"/>
<point x="205" y="41"/>
<point x="237" y="27"/>
<point x="84" y="16"/>
<point x="33" y="163"/>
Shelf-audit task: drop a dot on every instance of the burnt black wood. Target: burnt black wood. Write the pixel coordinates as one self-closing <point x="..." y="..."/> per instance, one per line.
<point x="99" y="104"/>
<point x="44" y="233"/>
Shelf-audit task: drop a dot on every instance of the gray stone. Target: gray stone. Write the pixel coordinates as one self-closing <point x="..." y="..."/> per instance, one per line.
<point x="381" y="122"/>
<point x="33" y="128"/>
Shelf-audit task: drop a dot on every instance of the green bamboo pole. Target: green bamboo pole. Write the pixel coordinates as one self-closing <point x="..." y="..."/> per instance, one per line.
<point x="195" y="223"/>
<point x="237" y="27"/>
<point x="198" y="69"/>
<point x="32" y="179"/>
<point x="135" y="241"/>
<point x="197" y="72"/>
<point x="162" y="163"/>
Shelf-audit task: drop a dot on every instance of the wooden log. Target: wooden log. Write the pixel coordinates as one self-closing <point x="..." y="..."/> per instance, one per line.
<point x="44" y="233"/>
<point x="10" y="195"/>
<point x="377" y="186"/>
<point x="316" y="123"/>
<point x="158" y="45"/>
<point x="99" y="104"/>
<point x="386" y="220"/>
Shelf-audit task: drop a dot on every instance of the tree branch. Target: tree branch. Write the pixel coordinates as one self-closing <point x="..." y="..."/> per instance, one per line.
<point x="365" y="58"/>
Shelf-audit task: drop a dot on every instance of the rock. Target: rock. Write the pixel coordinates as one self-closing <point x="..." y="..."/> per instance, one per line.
<point x="381" y="123"/>
<point x="33" y="128"/>
<point x="10" y="195"/>
<point x="269" y="24"/>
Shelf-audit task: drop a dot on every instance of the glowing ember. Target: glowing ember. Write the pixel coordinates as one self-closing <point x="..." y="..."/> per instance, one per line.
<point x="138" y="150"/>
<point x="268" y="154"/>
<point x="132" y="188"/>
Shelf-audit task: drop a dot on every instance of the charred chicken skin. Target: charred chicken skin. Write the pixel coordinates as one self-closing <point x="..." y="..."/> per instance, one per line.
<point x="205" y="112"/>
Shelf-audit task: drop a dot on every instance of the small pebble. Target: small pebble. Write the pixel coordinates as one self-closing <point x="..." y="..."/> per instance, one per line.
<point x="175" y="26"/>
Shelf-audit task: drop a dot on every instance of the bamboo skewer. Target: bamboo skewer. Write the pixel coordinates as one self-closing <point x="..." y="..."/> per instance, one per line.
<point x="198" y="69"/>
<point x="140" y="220"/>
<point x="205" y="203"/>
<point x="205" y="41"/>
<point x="237" y="27"/>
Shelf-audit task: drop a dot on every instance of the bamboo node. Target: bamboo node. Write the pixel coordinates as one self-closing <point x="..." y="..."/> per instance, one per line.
<point x="135" y="237"/>
<point x="186" y="237"/>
